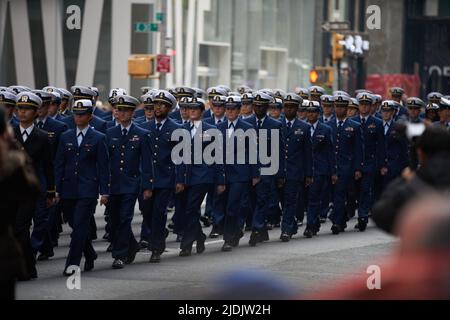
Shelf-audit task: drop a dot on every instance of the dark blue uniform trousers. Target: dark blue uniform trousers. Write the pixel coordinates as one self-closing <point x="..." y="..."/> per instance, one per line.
<point x="318" y="201"/>
<point x="40" y="224"/>
<point x="193" y="229"/>
<point x="179" y="214"/>
<point x="145" y="226"/>
<point x="262" y="190"/>
<point x="326" y="196"/>
<point x="234" y="218"/>
<point x="218" y="209"/>
<point x="302" y="202"/>
<point x="79" y="213"/>
<point x="155" y="215"/>
<point x="367" y="194"/>
<point x="340" y="197"/>
<point x="121" y="212"/>
<point x="291" y="192"/>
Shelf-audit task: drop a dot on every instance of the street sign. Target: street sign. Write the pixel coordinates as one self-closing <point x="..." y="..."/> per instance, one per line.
<point x="160" y="16"/>
<point x="163" y="63"/>
<point x="336" y="26"/>
<point x="145" y="27"/>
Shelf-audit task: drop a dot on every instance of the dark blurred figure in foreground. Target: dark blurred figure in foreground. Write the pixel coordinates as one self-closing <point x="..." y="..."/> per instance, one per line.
<point x="19" y="185"/>
<point x="433" y="174"/>
<point x="420" y="269"/>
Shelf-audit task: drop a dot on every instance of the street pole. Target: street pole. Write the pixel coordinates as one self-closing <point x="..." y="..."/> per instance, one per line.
<point x="163" y="34"/>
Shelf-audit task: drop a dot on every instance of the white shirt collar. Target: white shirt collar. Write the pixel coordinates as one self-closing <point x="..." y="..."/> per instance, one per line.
<point x="343" y="121"/>
<point x="291" y="121"/>
<point x="387" y="122"/>
<point x="234" y="122"/>
<point x="43" y="120"/>
<point x="366" y="117"/>
<point x="128" y="128"/>
<point x="196" y="123"/>
<point x="217" y="120"/>
<point x="28" y="130"/>
<point x="84" y="131"/>
<point x="327" y="118"/>
<point x="262" y="120"/>
<point x="314" y="125"/>
<point x="162" y="121"/>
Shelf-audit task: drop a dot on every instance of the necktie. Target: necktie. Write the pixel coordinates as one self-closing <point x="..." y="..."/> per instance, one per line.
<point x="124" y="132"/>
<point x="158" y="126"/>
<point x="341" y="123"/>
<point x="363" y="121"/>
<point x="386" y="128"/>
<point x="24" y="135"/>
<point x="219" y="121"/>
<point x="40" y="124"/>
<point x="289" y="124"/>
<point x="312" y="130"/>
<point x="230" y="129"/>
<point x="80" y="138"/>
<point x="325" y="119"/>
<point x="259" y="124"/>
<point x="192" y="131"/>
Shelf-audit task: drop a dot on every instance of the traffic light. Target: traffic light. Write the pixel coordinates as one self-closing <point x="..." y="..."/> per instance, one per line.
<point x="142" y="66"/>
<point x="338" y="48"/>
<point x="322" y="76"/>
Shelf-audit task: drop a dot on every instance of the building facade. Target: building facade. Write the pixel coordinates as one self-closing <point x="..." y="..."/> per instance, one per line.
<point x="261" y="43"/>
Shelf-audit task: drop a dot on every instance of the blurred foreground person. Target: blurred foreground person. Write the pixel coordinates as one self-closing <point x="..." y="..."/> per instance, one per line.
<point x="20" y="186"/>
<point x="421" y="267"/>
<point x="433" y="152"/>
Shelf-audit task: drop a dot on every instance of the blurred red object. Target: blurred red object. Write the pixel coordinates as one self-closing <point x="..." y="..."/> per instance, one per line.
<point x="411" y="277"/>
<point x="381" y="83"/>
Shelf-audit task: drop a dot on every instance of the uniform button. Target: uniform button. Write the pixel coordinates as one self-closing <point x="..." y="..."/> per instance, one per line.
<point x="121" y="169"/>
<point x="123" y="147"/>
<point x="122" y="154"/>
<point x="78" y="154"/>
<point x="121" y="161"/>
<point x="157" y="139"/>
<point x="76" y="172"/>
<point x="155" y="154"/>
<point x="154" y="161"/>
<point x="156" y="146"/>
<point x="151" y="180"/>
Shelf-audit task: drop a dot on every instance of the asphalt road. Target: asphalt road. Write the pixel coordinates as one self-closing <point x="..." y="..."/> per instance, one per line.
<point x="303" y="265"/>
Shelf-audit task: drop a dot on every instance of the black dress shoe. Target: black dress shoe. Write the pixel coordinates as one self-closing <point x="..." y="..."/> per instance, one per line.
<point x="201" y="245"/>
<point x="143" y="244"/>
<point x="155" y="258"/>
<point x="171" y="226"/>
<point x="285" y="237"/>
<point x="323" y="220"/>
<point x="185" y="252"/>
<point x="106" y="236"/>
<point x="214" y="232"/>
<point x="254" y="238"/>
<point x="66" y="273"/>
<point x="361" y="225"/>
<point x="118" y="264"/>
<point x="264" y="235"/>
<point x="89" y="264"/>
<point x="132" y="255"/>
<point x="308" y="233"/>
<point x="206" y="221"/>
<point x="110" y="248"/>
<point x="227" y="247"/>
<point x="300" y="224"/>
<point x="45" y="256"/>
<point x="235" y="242"/>
<point x="336" y="229"/>
<point x="269" y="226"/>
